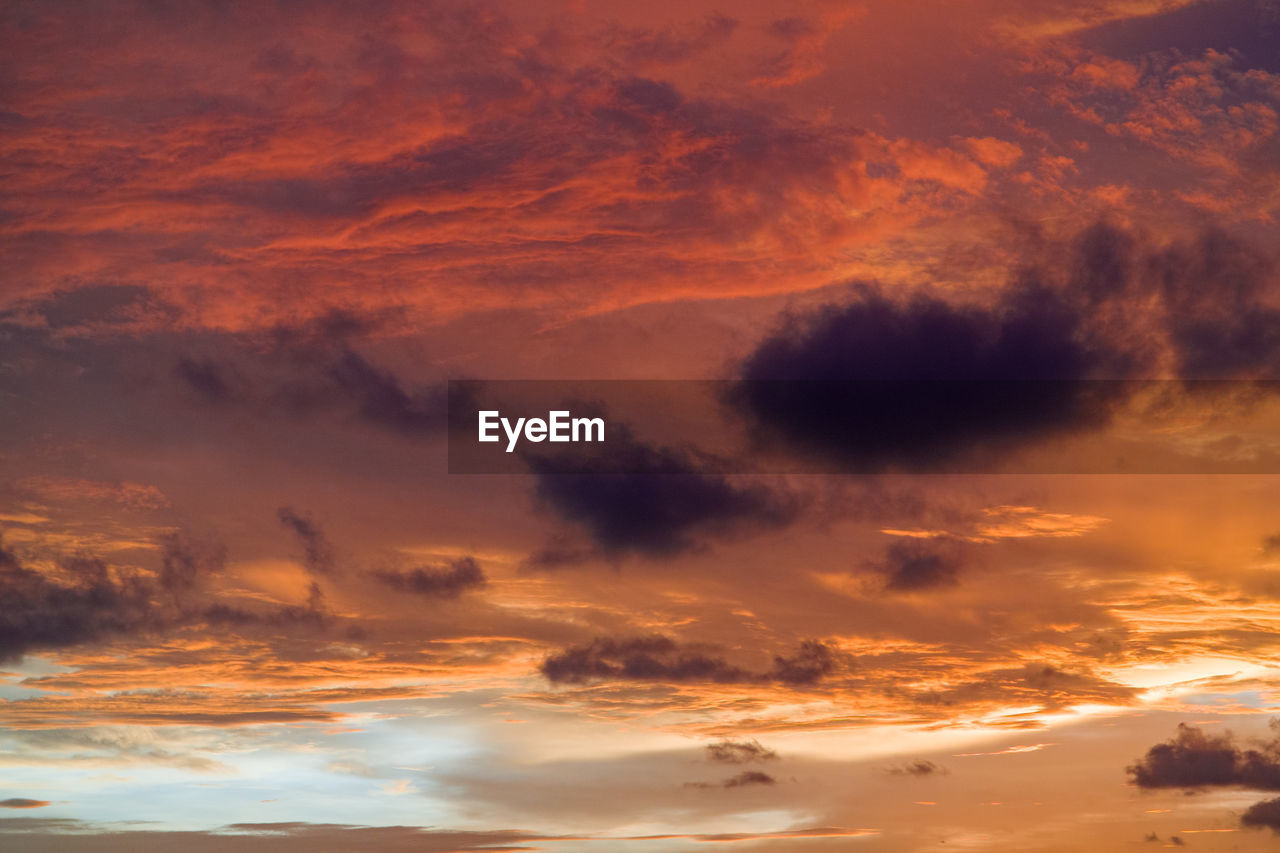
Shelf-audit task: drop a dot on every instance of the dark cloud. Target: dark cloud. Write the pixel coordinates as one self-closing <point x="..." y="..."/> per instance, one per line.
<point x="653" y="658"/>
<point x="739" y="752"/>
<point x="1193" y="759"/>
<point x="873" y="383"/>
<point x="92" y="603"/>
<point x="742" y="780"/>
<point x="436" y="582"/>
<point x="637" y="499"/>
<point x="918" y="767"/>
<point x="810" y="664"/>
<point x="1263" y="814"/>
<point x="881" y="383"/>
<point x="749" y="777"/>
<point x="88" y="601"/>
<point x="660" y="658"/>
<point x="915" y="564"/>
<point x="317" y="552"/>
<point x="22" y="803"/>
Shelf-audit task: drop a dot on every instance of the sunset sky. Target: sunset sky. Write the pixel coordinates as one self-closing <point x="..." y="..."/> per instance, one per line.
<point x="245" y="606"/>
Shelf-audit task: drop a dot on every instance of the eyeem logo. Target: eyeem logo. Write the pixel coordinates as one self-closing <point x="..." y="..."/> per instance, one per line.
<point x="560" y="426"/>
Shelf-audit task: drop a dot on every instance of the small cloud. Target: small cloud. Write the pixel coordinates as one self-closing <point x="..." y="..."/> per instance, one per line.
<point x="740" y="752"/>
<point x="918" y="767"/>
<point x="750" y="777"/>
<point x="22" y="803"/>
<point x="448" y="581"/>
<point x="660" y="658"/>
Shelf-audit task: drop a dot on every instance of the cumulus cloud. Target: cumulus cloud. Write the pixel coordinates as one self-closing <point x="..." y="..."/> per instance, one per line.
<point x="1194" y="759"/>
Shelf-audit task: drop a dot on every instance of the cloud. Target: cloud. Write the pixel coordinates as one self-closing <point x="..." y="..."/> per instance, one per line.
<point x="739" y="752"/>
<point x="74" y="836"/>
<point x="744" y="779"/>
<point x="654" y="502"/>
<point x="1205" y="108"/>
<point x="22" y="803"/>
<point x="916" y="564"/>
<point x="810" y="664"/>
<point x="921" y="383"/>
<point x="870" y="383"/>
<point x="87" y="600"/>
<point x="317" y="552"/>
<point x="660" y="658"/>
<point x="435" y="582"/>
<point x="1193" y="759"/>
<point x="39" y="613"/>
<point x="66" y="489"/>
<point x="918" y="767"/>
<point x="749" y="777"/>
<point x="1052" y="687"/>
<point x="496" y="163"/>
<point x="1263" y="814"/>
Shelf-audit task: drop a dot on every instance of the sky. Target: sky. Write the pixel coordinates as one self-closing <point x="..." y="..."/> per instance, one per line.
<point x="245" y="604"/>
